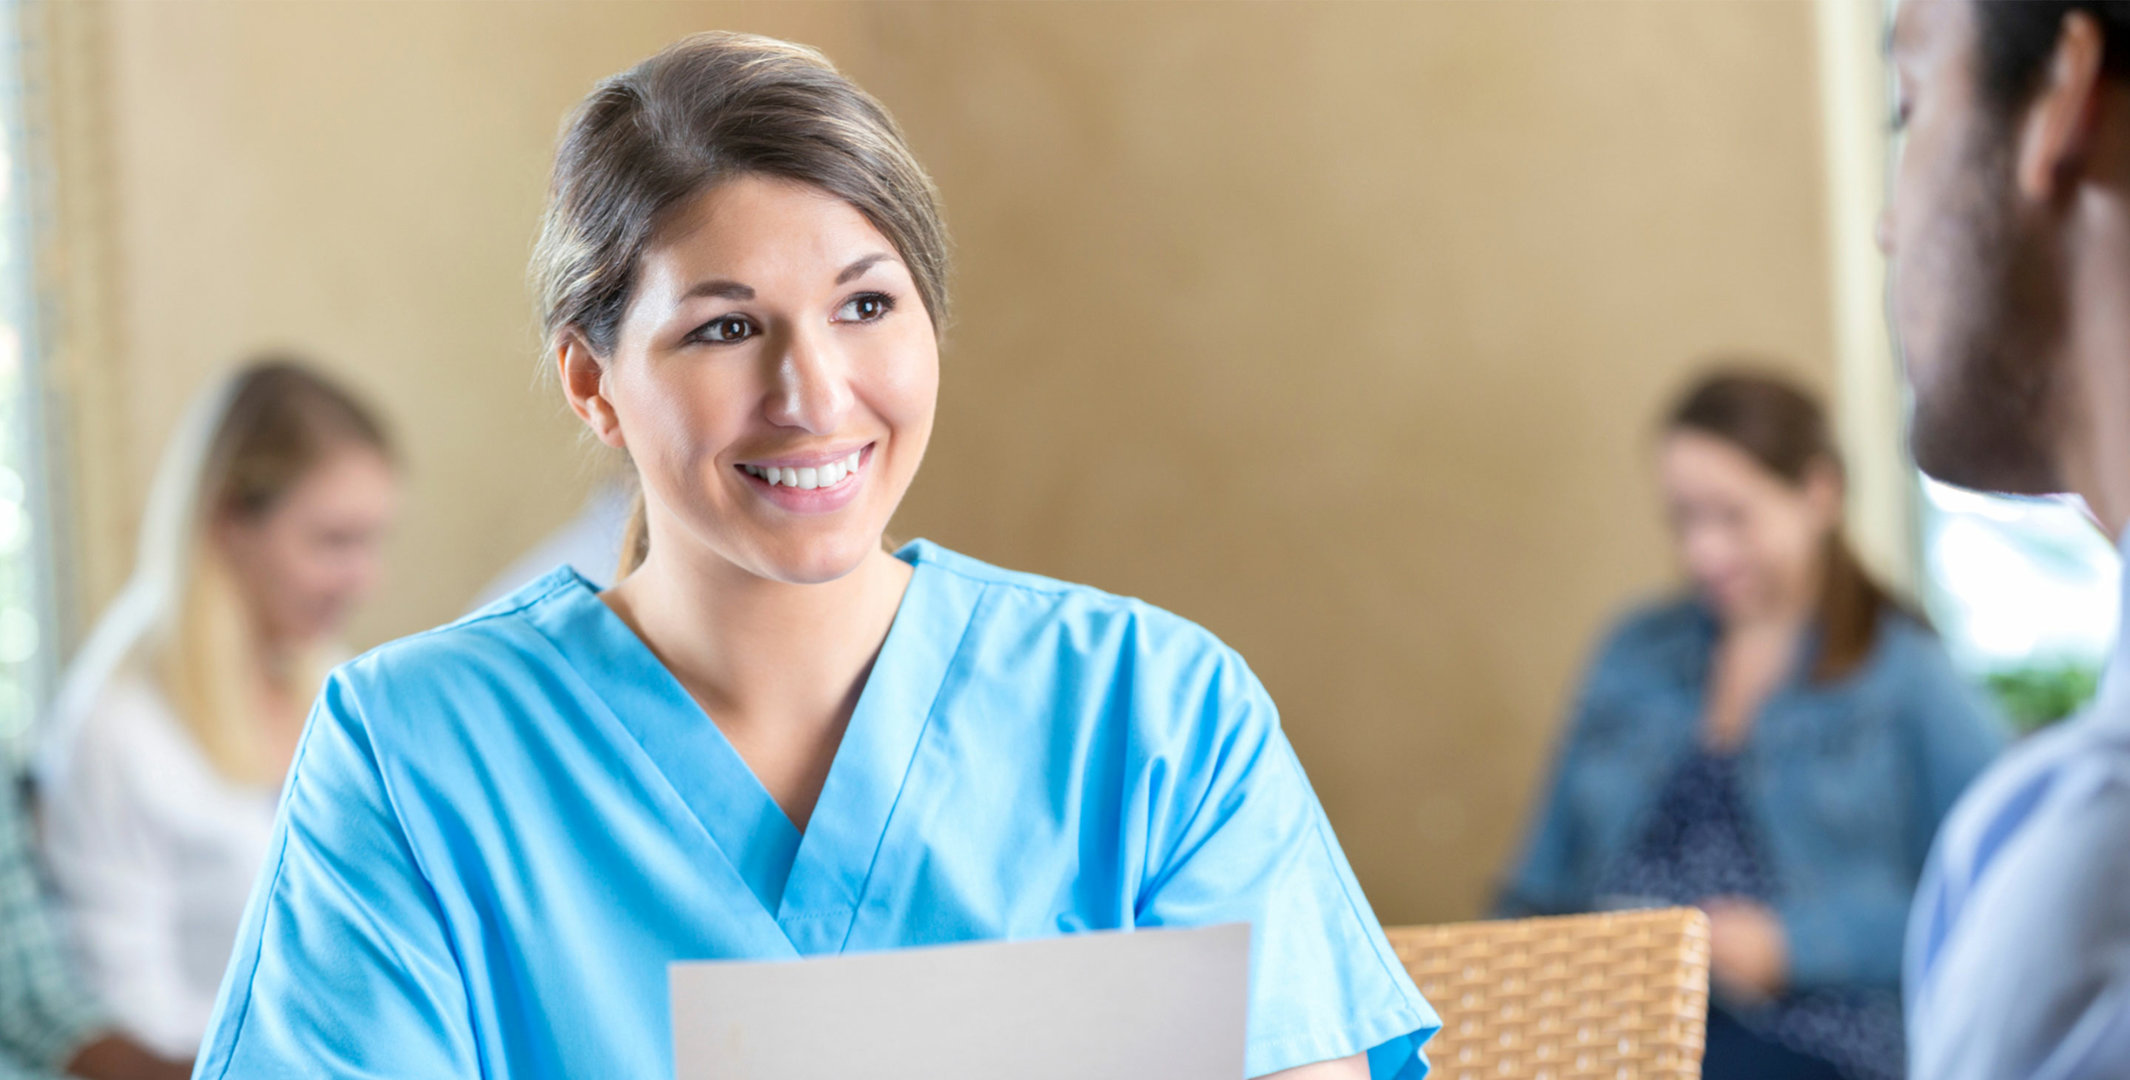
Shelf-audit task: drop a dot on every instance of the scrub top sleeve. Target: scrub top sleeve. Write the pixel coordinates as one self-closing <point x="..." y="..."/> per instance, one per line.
<point x="1239" y="837"/>
<point x="343" y="967"/>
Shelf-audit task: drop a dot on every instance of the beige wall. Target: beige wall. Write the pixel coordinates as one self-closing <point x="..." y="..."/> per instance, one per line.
<point x="1337" y="328"/>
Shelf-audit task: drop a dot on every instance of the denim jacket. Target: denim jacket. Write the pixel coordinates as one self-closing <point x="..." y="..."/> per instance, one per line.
<point x="1847" y="781"/>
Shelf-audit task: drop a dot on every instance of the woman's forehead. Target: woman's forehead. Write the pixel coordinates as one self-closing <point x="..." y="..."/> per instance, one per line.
<point x="760" y="231"/>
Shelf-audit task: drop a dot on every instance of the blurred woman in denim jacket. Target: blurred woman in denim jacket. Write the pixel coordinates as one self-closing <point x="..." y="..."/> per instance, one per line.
<point x="1776" y="747"/>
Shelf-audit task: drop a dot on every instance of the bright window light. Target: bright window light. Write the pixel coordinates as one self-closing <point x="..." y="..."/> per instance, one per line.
<point x="2024" y="592"/>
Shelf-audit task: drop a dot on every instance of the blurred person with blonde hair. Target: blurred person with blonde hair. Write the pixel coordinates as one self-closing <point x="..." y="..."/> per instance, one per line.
<point x="178" y="719"/>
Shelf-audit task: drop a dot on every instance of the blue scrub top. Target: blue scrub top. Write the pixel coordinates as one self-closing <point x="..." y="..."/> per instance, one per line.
<point x="497" y="835"/>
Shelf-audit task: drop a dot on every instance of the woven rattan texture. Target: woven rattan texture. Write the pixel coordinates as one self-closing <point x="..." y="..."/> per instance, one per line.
<point x="1617" y="996"/>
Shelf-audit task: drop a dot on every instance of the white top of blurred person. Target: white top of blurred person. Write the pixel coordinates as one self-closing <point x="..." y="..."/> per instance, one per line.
<point x="155" y="854"/>
<point x="177" y="718"/>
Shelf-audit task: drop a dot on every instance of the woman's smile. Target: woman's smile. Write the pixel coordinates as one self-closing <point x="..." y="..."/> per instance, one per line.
<point x="816" y="483"/>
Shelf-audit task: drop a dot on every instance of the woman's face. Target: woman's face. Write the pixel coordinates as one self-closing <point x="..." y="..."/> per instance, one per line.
<point x="303" y="562"/>
<point x="773" y="379"/>
<point x="1751" y="541"/>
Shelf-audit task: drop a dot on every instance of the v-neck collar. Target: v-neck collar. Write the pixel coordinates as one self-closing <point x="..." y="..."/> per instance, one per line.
<point x="835" y="856"/>
<point x="810" y="883"/>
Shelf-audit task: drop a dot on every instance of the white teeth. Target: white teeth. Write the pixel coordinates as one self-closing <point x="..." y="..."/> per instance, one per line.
<point x="807" y="479"/>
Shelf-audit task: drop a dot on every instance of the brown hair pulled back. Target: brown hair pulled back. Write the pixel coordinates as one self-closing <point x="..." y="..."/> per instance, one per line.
<point x="1782" y="427"/>
<point x="711" y="107"/>
<point x="283" y="419"/>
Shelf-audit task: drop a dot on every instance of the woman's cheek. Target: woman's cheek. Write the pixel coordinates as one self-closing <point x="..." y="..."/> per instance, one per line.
<point x="911" y="365"/>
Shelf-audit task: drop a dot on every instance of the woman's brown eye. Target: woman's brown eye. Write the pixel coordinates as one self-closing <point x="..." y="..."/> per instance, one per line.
<point x="729" y="330"/>
<point x="865" y="308"/>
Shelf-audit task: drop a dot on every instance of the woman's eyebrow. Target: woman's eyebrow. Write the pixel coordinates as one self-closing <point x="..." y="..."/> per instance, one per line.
<point x="720" y="288"/>
<point x="852" y="271"/>
<point x="733" y="290"/>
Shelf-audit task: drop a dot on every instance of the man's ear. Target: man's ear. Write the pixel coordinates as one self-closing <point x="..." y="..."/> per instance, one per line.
<point x="2057" y="137"/>
<point x="584" y="383"/>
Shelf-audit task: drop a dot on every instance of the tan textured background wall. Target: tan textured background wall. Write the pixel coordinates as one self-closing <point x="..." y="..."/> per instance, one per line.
<point x="1337" y="328"/>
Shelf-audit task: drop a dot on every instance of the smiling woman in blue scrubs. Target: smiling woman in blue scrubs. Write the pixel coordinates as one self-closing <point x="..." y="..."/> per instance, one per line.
<point x="772" y="738"/>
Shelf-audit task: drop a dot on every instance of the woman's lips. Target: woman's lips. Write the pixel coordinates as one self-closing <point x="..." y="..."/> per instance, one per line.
<point x="811" y="484"/>
<point x="807" y="473"/>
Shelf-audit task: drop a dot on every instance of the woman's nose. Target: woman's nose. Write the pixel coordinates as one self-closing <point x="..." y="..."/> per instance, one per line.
<point x="812" y="389"/>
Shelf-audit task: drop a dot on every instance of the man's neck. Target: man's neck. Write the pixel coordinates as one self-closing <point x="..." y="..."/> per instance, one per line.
<point x="2094" y="443"/>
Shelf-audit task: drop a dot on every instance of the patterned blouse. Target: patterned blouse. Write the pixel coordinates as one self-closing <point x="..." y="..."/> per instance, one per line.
<point x="1699" y="845"/>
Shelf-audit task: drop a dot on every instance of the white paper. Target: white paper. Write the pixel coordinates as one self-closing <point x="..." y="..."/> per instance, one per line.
<point x="1152" y="1003"/>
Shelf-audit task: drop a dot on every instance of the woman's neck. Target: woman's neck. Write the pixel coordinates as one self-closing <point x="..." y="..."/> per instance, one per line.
<point x="1784" y="622"/>
<point x="281" y="702"/>
<point x="755" y="650"/>
<point x="275" y="662"/>
<point x="1783" y="615"/>
<point x="1750" y="663"/>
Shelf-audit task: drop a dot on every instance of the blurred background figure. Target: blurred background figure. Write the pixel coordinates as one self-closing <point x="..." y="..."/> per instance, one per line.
<point x="1777" y="747"/>
<point x="175" y="725"/>
<point x="49" y="1022"/>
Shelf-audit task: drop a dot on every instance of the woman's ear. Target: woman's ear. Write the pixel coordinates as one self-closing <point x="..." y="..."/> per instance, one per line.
<point x="584" y="383"/>
<point x="1825" y="488"/>
<point x="232" y="533"/>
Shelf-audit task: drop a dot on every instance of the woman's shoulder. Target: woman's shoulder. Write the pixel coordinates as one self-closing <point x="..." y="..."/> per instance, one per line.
<point x="1081" y="643"/>
<point x="1906" y="647"/>
<point x="504" y="636"/>
<point x="1108" y="665"/>
<point x="925" y="553"/>
<point x="122" y="734"/>
<point x="1905" y="632"/>
<point x="126" y="710"/>
<point x="1094" y="617"/>
<point x="130" y="696"/>
<point x="1660" y="626"/>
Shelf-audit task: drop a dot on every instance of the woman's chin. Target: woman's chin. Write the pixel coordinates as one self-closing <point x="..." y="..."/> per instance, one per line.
<point x="818" y="561"/>
<point x="303" y="633"/>
<point x="1743" y="607"/>
<point x="1727" y="605"/>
